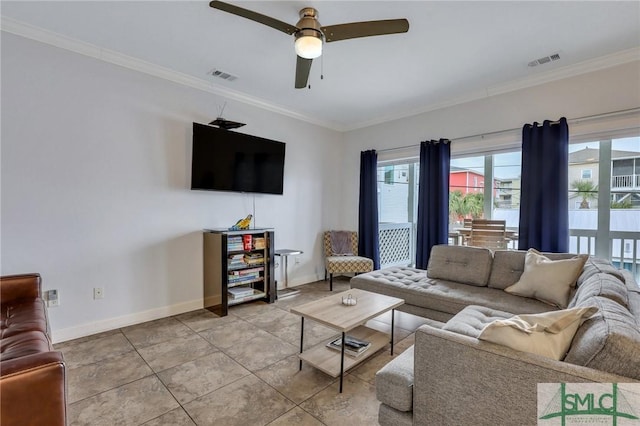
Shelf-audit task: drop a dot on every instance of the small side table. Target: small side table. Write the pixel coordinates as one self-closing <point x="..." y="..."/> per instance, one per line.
<point x="284" y="255"/>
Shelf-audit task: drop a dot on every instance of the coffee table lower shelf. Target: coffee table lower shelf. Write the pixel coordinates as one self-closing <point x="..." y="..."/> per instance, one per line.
<point x="328" y="360"/>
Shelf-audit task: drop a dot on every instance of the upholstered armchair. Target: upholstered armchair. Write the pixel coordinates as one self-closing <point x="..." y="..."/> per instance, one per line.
<point x="341" y="255"/>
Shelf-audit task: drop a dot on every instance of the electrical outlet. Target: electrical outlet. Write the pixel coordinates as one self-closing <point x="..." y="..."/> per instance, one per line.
<point x="98" y="293"/>
<point x="53" y="298"/>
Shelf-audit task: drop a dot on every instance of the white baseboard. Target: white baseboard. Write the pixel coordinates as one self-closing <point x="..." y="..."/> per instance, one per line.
<point x="296" y="281"/>
<point x="88" y="329"/>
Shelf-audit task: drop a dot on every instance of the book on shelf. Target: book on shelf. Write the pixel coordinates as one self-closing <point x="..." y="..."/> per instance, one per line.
<point x="247" y="241"/>
<point x="250" y="271"/>
<point x="253" y="258"/>
<point x="235" y="244"/>
<point x="249" y="276"/>
<point x="243" y="280"/>
<point x="259" y="243"/>
<point x="238" y="292"/>
<point x="352" y="346"/>
<point x="236" y="260"/>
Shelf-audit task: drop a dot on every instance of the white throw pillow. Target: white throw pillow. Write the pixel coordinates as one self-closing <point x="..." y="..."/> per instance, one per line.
<point x="547" y="280"/>
<point x="548" y="334"/>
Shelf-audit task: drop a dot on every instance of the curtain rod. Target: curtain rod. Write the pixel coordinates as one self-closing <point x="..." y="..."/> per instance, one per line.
<point x="571" y="120"/>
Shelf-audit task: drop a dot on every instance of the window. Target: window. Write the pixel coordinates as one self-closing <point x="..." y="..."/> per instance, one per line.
<point x="466" y="195"/>
<point x="625" y="183"/>
<point x="583" y="185"/>
<point x="489" y="186"/>
<point x="397" y="212"/>
<point x="506" y="187"/>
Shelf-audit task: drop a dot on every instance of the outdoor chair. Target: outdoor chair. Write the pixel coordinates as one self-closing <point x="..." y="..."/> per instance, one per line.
<point x="488" y="233"/>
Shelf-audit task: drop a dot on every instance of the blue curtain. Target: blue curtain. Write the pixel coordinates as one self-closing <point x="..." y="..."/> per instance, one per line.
<point x="433" y="199"/>
<point x="368" y="240"/>
<point x="544" y="199"/>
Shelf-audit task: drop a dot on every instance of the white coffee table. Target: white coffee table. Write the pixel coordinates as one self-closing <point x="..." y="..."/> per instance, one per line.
<point x="330" y="312"/>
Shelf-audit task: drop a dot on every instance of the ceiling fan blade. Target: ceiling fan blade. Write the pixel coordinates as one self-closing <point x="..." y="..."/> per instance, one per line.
<point x="364" y="29"/>
<point x="303" y="67"/>
<point x="254" y="16"/>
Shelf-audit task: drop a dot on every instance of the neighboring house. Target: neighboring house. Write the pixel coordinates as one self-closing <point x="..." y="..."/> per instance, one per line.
<point x="394" y="174"/>
<point x="507" y="193"/>
<point x="625" y="175"/>
<point x="465" y="180"/>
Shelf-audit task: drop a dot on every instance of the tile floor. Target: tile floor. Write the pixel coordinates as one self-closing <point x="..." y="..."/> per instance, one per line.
<point x="242" y="369"/>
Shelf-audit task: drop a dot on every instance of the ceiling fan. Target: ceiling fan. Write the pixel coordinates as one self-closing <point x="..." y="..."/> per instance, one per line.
<point x="309" y="34"/>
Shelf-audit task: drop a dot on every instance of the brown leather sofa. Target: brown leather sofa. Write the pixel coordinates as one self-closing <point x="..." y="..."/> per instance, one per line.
<point x="32" y="374"/>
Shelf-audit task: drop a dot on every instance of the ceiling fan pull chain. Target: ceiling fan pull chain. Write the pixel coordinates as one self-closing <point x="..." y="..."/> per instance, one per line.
<point x="322" y="67"/>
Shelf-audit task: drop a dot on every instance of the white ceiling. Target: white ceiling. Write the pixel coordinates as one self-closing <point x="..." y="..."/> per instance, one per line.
<point x="454" y="50"/>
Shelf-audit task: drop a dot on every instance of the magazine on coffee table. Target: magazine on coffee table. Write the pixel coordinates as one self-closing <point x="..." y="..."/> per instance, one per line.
<point x="352" y="346"/>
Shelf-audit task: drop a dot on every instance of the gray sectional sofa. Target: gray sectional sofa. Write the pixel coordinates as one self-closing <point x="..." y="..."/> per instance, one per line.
<point x="452" y="377"/>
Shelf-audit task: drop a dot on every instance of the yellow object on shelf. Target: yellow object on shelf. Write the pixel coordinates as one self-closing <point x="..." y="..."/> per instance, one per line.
<point x="242" y="224"/>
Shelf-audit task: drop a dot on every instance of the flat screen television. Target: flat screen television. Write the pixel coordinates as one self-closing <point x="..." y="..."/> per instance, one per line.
<point x="229" y="161"/>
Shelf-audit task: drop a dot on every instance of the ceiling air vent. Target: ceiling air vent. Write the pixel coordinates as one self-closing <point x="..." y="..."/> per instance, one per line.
<point x="545" y="60"/>
<point x="221" y="74"/>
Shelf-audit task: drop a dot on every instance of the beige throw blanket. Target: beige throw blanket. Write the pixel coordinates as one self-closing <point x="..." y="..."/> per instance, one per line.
<point x="341" y="243"/>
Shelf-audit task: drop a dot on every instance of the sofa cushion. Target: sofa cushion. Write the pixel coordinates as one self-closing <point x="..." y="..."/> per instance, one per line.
<point x="547" y="280"/>
<point x="469" y="265"/>
<point x="450" y="297"/>
<point x="548" y="334"/>
<point x="508" y="266"/>
<point x="23" y="315"/>
<point x="597" y="265"/>
<point x="634" y="301"/>
<point x="391" y="416"/>
<point x="347" y="264"/>
<point x="608" y="341"/>
<point x="23" y="344"/>
<point x="473" y="319"/>
<point x="394" y="382"/>
<point x="604" y="285"/>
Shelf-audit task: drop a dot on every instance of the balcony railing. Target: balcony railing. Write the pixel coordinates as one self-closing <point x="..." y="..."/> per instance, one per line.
<point x="623" y="246"/>
<point x="625" y="182"/>
<point x="397" y="246"/>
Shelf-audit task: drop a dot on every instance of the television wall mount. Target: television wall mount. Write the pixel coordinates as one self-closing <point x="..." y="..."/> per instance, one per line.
<point x="225" y="124"/>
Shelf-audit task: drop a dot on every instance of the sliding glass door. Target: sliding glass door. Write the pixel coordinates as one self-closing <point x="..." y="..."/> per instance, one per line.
<point x="397" y="212"/>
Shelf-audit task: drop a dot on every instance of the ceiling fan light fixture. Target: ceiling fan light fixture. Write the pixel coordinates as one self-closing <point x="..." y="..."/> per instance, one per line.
<point x="308" y="46"/>
<point x="310" y="35"/>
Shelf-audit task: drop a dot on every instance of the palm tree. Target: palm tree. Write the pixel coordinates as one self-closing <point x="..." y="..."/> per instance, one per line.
<point x="456" y="206"/>
<point x="474" y="204"/>
<point x="585" y="189"/>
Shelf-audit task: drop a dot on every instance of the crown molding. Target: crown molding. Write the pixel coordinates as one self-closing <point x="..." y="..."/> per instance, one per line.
<point x="22" y="29"/>
<point x="41" y="35"/>
<point x="592" y="65"/>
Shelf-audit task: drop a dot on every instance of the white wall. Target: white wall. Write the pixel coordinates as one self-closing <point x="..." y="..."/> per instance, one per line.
<point x="599" y="92"/>
<point x="95" y="187"/>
